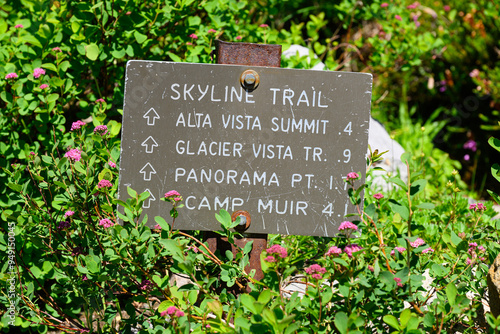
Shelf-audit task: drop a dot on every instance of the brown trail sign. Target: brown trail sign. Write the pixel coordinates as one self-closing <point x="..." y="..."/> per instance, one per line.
<point x="280" y="151"/>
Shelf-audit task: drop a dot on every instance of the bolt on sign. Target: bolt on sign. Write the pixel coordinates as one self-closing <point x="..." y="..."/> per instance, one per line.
<point x="277" y="143"/>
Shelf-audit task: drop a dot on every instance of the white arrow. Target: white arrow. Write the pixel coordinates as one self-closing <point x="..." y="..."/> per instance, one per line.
<point x="149" y="143"/>
<point x="151" y="115"/>
<point x="147" y="170"/>
<point x="148" y="200"/>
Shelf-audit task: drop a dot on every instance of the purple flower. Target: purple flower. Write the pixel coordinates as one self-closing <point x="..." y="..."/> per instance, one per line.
<point x="333" y="251"/>
<point x="417" y="243"/>
<point x="64" y="224"/>
<point x="470" y="145"/>
<point x="77" y="125"/>
<point x="11" y="75"/>
<point x="106" y="223"/>
<point x="38" y="72"/>
<point x="73" y="155"/>
<point x="466" y="157"/>
<point x="104" y="184"/>
<point x="43" y="86"/>
<point x="101" y="130"/>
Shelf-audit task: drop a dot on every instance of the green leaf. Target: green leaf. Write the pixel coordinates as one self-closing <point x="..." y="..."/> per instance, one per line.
<point x="417" y="186"/>
<point x="404" y="317"/>
<point x="340" y="322"/>
<point x="495" y="143"/>
<point x="216" y="307"/>
<point x="426" y="206"/>
<point x="15" y="187"/>
<point x="391" y="321"/>
<point x="163" y="224"/>
<point x="399" y="182"/>
<point x="403" y="211"/>
<point x="174" y="57"/>
<point x="265" y="296"/>
<point x="140" y="38"/>
<point x="92" y="51"/>
<point x="451" y="293"/>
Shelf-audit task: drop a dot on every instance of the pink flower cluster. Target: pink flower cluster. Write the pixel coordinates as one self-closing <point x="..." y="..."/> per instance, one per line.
<point x="69" y="213"/>
<point x="77" y="125"/>
<point x="352" y="248"/>
<point x="401" y="250"/>
<point x="73" y="154"/>
<point x="475" y="253"/>
<point x="98" y="101"/>
<point x="378" y="196"/>
<point x="352" y="176"/>
<point x="428" y="250"/>
<point x="333" y="251"/>
<point x="315" y="270"/>
<point x="104" y="184"/>
<point x="106" y="223"/>
<point x="477" y="207"/>
<point x="38" y="72"/>
<point x="398" y="281"/>
<point x="347" y="225"/>
<point x="101" y="130"/>
<point x="193" y="36"/>
<point x="417" y="243"/>
<point x="278" y="250"/>
<point x="173" y="195"/>
<point x="11" y="76"/>
<point x="44" y="86"/>
<point x="111" y="164"/>
<point x="413" y="5"/>
<point x="172" y="311"/>
<point x="18" y="26"/>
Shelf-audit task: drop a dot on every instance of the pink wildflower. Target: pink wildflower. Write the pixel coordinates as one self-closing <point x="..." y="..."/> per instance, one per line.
<point x="106" y="223"/>
<point x="466" y="157"/>
<point x="69" y="213"/>
<point x="413" y="5"/>
<point x="277" y="249"/>
<point x="171" y="310"/>
<point x="194" y="249"/>
<point x="73" y="155"/>
<point x="352" y="248"/>
<point x="347" y="225"/>
<point x="18" y="26"/>
<point x="84" y="277"/>
<point x="397" y="17"/>
<point x="128" y="13"/>
<point x="238" y="37"/>
<point x="193" y="36"/>
<point x="101" y="130"/>
<point x="378" y="196"/>
<point x="428" y="250"/>
<point x="315" y="270"/>
<point x="211" y="31"/>
<point x="163" y="314"/>
<point x="189" y="43"/>
<point x="179" y="313"/>
<point x="401" y="250"/>
<point x="470" y="145"/>
<point x="370" y="268"/>
<point x="474" y="73"/>
<point x="477" y="207"/>
<point x="333" y="251"/>
<point x="270" y="258"/>
<point x="446" y="8"/>
<point x="57" y="49"/>
<point x="111" y="164"/>
<point x="263" y="25"/>
<point x="352" y="176"/>
<point x="100" y="101"/>
<point x="157" y="227"/>
<point x="11" y="76"/>
<point x="38" y="72"/>
<point x="398" y="281"/>
<point x="104" y="184"/>
<point x="43" y="86"/>
<point x="172" y="193"/>
<point x="77" y="125"/>
<point x="384" y="4"/>
<point x="417" y="243"/>
<point x="177" y="199"/>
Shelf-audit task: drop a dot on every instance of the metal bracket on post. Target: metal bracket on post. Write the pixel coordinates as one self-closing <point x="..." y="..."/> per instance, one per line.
<point x="253" y="55"/>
